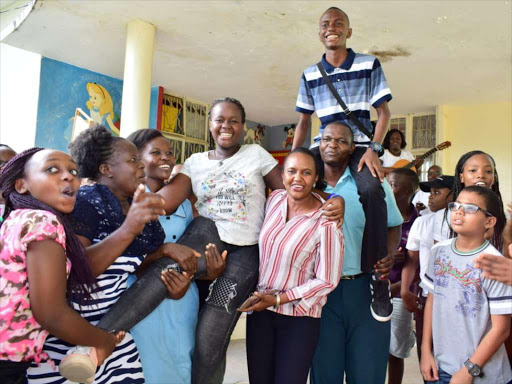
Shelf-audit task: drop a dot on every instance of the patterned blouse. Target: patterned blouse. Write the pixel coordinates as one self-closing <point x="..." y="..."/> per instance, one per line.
<point x="21" y="337"/>
<point x="98" y="214"/>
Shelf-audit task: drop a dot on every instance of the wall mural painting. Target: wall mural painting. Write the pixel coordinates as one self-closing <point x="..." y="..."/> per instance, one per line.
<point x="254" y="135"/>
<point x="63" y="89"/>
<point x="290" y="133"/>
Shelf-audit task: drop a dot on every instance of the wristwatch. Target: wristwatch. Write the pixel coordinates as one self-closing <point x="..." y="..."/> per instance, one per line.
<point x="473" y="369"/>
<point x="376" y="147"/>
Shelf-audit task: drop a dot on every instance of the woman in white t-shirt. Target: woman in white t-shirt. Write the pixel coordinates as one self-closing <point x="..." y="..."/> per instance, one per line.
<point x="394" y="144"/>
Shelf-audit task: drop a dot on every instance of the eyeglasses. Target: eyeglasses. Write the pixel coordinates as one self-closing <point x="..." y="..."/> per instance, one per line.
<point x="328" y="140"/>
<point x="470" y="209"/>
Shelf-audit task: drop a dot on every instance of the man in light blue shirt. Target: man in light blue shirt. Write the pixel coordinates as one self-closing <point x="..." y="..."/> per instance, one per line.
<point x="351" y="341"/>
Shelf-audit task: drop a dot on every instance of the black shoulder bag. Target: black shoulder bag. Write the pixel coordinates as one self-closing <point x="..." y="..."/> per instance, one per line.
<point x="346" y="111"/>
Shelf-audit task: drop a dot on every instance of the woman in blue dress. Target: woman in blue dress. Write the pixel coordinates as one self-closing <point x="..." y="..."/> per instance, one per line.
<point x="165" y="339"/>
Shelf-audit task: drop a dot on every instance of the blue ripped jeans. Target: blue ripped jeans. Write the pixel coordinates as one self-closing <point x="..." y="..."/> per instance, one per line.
<point x="219" y="315"/>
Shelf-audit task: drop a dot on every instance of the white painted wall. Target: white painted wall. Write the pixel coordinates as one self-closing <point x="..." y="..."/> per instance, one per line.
<point x="19" y="92"/>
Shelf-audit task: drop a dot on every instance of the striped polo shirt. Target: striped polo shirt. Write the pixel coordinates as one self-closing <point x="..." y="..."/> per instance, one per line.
<point x="360" y="82"/>
<point x="301" y="257"/>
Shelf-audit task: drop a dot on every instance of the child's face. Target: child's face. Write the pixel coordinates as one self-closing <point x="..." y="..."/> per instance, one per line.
<point x="471" y="224"/>
<point x="334" y="29"/>
<point x="437" y="199"/>
<point x="158" y="159"/>
<point x="52" y="178"/>
<point x="96" y="99"/>
<point x="400" y="185"/>
<point x="226" y="124"/>
<point x="478" y="170"/>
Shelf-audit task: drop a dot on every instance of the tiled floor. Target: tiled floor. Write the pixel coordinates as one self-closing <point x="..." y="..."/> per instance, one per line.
<point x="236" y="370"/>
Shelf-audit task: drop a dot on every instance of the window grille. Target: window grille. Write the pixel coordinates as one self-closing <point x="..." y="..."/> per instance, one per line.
<point x="424" y="131"/>
<point x="185" y="124"/>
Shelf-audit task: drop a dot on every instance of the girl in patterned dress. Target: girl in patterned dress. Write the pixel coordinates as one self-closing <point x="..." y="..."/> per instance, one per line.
<point x="37" y="244"/>
<point x="117" y="222"/>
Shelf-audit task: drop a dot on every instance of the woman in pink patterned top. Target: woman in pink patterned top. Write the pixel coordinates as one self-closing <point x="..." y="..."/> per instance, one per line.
<point x="301" y="257"/>
<point x="37" y="245"/>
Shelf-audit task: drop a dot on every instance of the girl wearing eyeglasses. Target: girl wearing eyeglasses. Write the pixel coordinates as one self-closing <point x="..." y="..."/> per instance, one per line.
<point x="467" y="316"/>
<point x="473" y="168"/>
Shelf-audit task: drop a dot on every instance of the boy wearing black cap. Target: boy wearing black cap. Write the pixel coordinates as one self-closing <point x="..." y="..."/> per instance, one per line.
<point x="419" y="243"/>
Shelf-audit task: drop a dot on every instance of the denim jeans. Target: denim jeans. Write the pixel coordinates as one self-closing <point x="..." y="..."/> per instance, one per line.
<point x="444" y="378"/>
<point x="371" y="196"/>
<point x="219" y="315"/>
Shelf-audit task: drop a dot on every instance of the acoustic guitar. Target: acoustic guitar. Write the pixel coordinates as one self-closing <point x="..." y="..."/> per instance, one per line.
<point x="410" y="164"/>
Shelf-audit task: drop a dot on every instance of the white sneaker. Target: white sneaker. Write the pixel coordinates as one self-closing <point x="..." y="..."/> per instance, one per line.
<point x="79" y="365"/>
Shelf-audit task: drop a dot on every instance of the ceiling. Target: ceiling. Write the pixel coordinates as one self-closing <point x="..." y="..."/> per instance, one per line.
<point x="437" y="52"/>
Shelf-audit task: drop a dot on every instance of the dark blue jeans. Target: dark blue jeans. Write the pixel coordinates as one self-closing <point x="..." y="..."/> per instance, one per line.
<point x="371" y="196"/>
<point x="219" y="315"/>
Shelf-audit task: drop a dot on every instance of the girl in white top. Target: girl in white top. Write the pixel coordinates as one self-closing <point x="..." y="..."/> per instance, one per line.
<point x="473" y="168"/>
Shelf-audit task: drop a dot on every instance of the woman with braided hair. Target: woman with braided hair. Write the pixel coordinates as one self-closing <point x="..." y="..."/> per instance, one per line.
<point x="473" y="168"/>
<point x="37" y="244"/>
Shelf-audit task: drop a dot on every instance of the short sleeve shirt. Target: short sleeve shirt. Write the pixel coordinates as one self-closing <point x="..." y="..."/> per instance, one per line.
<point x="21" y="337"/>
<point x="441" y="226"/>
<point x="355" y="220"/>
<point x="467" y="300"/>
<point x="420" y="239"/>
<point x="359" y="80"/>
<point x="231" y="192"/>
<point x="388" y="159"/>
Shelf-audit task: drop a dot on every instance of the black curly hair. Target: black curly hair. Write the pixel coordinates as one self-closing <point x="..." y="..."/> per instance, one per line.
<point x="458" y="187"/>
<point x="81" y="279"/>
<point x="228" y="100"/>
<point x="143" y="136"/>
<point x="93" y="147"/>
<point x="387" y="138"/>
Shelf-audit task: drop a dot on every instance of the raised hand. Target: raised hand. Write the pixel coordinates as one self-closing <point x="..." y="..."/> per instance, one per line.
<point x="145" y="207"/>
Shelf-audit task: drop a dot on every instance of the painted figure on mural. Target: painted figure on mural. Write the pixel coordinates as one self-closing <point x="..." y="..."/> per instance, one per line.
<point x="101" y="107"/>
<point x="254" y="136"/>
<point x="290" y="133"/>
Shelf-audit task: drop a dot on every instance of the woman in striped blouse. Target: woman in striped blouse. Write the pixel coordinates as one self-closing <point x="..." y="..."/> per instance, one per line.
<point x="301" y="257"/>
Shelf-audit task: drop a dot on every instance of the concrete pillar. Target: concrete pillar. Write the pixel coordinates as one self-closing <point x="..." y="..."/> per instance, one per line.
<point x="138" y="69"/>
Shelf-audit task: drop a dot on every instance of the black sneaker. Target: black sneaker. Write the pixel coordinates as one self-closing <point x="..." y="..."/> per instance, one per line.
<point x="381" y="306"/>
